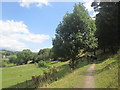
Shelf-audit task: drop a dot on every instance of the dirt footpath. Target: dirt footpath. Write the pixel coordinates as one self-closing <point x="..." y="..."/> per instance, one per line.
<point x="89" y="79"/>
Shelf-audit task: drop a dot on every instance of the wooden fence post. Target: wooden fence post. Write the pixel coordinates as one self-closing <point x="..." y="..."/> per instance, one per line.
<point x="26" y="83"/>
<point x="17" y="85"/>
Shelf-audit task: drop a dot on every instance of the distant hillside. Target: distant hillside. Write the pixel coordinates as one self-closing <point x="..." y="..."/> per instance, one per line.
<point x="8" y="53"/>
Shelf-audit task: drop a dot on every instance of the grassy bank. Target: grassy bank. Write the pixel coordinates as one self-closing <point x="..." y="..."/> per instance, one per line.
<point x="74" y="79"/>
<point x="106" y="72"/>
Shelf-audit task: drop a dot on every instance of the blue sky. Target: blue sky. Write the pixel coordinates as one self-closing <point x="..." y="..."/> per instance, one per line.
<point x="24" y="22"/>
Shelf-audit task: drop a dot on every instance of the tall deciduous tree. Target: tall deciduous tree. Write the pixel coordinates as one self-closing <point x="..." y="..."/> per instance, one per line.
<point x="75" y="32"/>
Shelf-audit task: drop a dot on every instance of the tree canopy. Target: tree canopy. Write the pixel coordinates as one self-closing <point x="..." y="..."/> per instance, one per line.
<point x="44" y="54"/>
<point x="24" y="56"/>
<point x="107" y="32"/>
<point x="75" y="32"/>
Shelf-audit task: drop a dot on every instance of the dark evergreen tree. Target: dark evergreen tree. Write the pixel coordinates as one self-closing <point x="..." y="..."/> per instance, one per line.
<point x="108" y="33"/>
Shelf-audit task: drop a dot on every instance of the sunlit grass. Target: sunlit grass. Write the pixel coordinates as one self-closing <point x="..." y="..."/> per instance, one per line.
<point x="72" y="80"/>
<point x="106" y="73"/>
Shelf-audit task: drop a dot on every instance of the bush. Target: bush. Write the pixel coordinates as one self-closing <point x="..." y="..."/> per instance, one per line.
<point x="3" y="63"/>
<point x="12" y="59"/>
<point x="43" y="64"/>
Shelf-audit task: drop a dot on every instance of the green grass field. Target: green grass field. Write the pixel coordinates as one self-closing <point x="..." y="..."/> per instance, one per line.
<point x="18" y="74"/>
<point x="106" y="72"/>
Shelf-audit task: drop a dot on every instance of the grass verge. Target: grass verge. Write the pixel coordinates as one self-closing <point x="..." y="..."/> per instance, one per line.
<point x="106" y="72"/>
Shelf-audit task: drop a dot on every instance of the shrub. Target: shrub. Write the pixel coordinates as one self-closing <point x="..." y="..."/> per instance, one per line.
<point x="43" y="64"/>
<point x="3" y="63"/>
<point x="12" y="59"/>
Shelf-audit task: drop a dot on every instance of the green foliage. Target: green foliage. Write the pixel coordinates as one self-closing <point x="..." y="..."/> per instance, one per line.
<point x="43" y="64"/>
<point x="12" y="59"/>
<point x="44" y="54"/>
<point x="108" y="32"/>
<point x="24" y="56"/>
<point x="75" y="32"/>
<point x="3" y="63"/>
<point x="8" y="53"/>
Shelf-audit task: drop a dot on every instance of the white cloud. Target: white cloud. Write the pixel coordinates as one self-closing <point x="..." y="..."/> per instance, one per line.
<point x="7" y="43"/>
<point x="94" y="14"/>
<point x="14" y="26"/>
<point x="88" y="5"/>
<point x="12" y="33"/>
<point x="38" y="3"/>
<point x="35" y="50"/>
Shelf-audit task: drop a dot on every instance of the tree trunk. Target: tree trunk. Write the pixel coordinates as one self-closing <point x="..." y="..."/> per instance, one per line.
<point x="104" y="50"/>
<point x="94" y="52"/>
<point x="73" y="64"/>
<point x="112" y="49"/>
